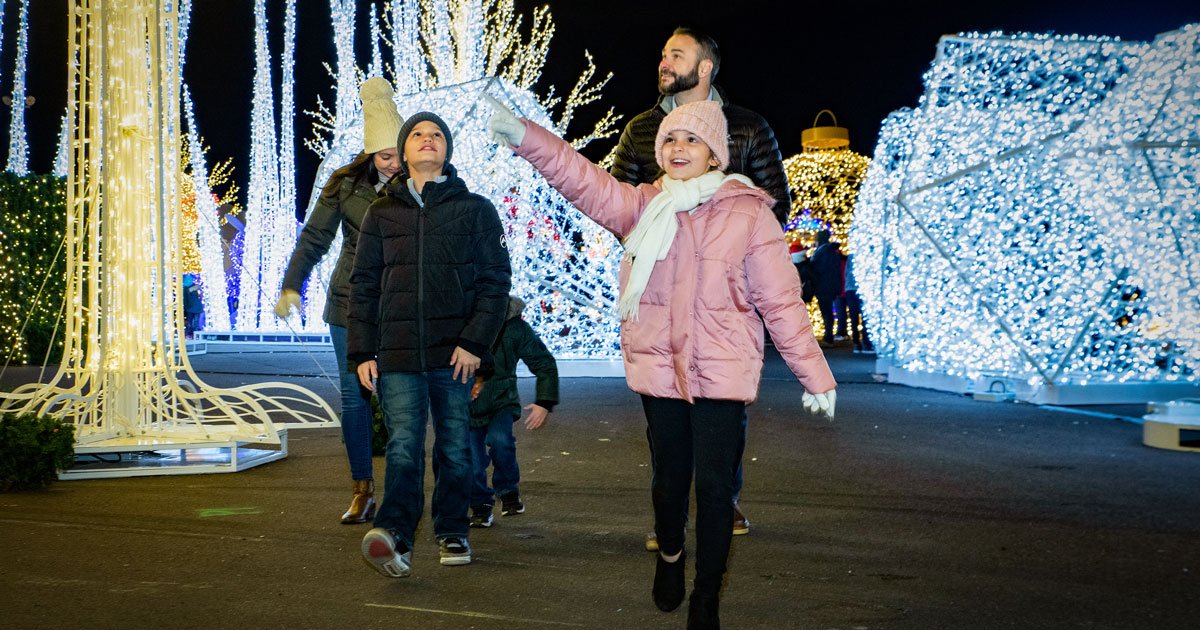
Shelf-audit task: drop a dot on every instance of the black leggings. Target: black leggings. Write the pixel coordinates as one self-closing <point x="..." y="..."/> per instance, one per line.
<point x="702" y="437"/>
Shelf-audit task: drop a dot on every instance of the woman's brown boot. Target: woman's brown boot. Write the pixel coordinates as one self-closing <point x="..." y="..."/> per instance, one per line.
<point x="362" y="504"/>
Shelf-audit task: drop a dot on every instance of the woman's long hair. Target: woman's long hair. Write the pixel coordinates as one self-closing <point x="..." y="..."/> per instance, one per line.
<point x="362" y="167"/>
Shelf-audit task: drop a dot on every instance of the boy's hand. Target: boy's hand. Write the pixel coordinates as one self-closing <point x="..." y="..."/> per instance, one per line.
<point x="464" y="363"/>
<point x="477" y="387"/>
<point x="368" y="373"/>
<point x="537" y="416"/>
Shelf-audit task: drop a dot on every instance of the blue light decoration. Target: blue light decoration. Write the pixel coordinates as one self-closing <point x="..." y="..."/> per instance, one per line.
<point x="1033" y="225"/>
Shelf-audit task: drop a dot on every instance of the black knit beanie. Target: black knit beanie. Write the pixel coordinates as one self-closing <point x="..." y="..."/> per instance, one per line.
<point x="412" y="121"/>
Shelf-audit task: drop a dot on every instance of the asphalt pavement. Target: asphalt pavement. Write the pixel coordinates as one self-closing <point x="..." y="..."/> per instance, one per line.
<point x="913" y="509"/>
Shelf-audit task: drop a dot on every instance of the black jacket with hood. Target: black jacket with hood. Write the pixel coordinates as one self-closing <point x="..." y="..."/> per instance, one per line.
<point x="517" y="342"/>
<point x="753" y="151"/>
<point x="427" y="278"/>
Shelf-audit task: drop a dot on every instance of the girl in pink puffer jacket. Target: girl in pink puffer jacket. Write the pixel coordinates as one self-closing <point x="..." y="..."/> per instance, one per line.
<point x="706" y="266"/>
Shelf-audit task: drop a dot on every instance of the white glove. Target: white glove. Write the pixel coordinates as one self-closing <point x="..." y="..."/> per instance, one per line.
<point x="504" y="126"/>
<point x="287" y="299"/>
<point x="820" y="403"/>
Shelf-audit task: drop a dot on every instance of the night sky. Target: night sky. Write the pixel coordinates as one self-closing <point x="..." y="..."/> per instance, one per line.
<point x="786" y="60"/>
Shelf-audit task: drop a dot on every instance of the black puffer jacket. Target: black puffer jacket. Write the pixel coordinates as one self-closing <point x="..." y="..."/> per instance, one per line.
<point x="427" y="279"/>
<point x="753" y="152"/>
<point x="344" y="209"/>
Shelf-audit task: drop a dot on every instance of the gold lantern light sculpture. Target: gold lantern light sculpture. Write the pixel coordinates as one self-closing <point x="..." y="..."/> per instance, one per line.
<point x="824" y="180"/>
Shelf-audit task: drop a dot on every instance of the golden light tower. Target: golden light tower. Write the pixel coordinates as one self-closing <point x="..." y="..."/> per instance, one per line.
<point x="125" y="381"/>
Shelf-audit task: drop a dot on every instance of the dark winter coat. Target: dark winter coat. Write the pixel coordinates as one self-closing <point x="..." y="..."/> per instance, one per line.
<point x="753" y="152"/>
<point x="345" y="209"/>
<point x="517" y="342"/>
<point x="428" y="279"/>
<point x="826" y="269"/>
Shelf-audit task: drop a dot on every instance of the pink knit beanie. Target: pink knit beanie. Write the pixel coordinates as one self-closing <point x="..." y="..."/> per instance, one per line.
<point x="703" y="118"/>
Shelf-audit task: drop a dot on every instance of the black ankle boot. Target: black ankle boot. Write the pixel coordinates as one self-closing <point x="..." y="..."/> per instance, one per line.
<point x="702" y="612"/>
<point x="668" y="582"/>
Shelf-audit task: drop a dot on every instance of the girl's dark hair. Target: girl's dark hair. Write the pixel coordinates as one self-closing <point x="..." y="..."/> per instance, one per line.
<point x="362" y="167"/>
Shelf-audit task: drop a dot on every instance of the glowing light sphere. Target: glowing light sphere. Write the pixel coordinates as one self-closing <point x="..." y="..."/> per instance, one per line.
<point x="1034" y="224"/>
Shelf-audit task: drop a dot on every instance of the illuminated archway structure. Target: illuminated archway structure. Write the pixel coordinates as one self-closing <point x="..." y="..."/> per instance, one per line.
<point x="1034" y="224"/>
<point x="125" y="381"/>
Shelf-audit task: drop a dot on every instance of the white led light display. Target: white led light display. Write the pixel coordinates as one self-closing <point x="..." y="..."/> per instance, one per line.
<point x="18" y="146"/>
<point x="564" y="265"/>
<point x="125" y="380"/>
<point x="1034" y="222"/>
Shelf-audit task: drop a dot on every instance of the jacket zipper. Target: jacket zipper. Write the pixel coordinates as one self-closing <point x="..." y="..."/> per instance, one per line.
<point x="421" y="286"/>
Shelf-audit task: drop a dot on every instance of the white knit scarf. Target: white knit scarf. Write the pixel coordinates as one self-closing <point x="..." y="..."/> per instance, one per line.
<point x="651" y="238"/>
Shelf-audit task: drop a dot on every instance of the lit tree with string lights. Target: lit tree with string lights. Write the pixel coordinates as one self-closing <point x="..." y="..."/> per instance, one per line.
<point x="565" y="266"/>
<point x="125" y="380"/>
<point x="18" y="147"/>
<point x="1034" y="224"/>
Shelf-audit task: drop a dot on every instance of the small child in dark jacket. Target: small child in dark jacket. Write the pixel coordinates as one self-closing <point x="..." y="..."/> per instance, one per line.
<point x="496" y="405"/>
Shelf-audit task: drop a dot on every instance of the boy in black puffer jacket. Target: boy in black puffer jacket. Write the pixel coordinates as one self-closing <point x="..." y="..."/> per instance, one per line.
<point x="496" y="405"/>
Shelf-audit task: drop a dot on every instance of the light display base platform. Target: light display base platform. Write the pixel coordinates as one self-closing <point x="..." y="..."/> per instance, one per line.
<point x="282" y="336"/>
<point x="1040" y="394"/>
<point x="1174" y="425"/>
<point x="144" y="457"/>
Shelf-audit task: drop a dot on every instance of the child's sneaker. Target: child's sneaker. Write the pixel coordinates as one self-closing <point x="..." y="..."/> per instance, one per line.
<point x="385" y="554"/>
<point x="481" y="516"/>
<point x="511" y="504"/>
<point x="454" y="551"/>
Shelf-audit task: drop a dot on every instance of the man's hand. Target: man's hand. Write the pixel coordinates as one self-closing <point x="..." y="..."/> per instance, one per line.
<point x="820" y="403"/>
<point x="464" y="363"/>
<point x="504" y="126"/>
<point x="537" y="416"/>
<point x="287" y="299"/>
<point x="368" y="373"/>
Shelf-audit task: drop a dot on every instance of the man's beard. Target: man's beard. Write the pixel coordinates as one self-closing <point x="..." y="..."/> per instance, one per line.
<point x="683" y="82"/>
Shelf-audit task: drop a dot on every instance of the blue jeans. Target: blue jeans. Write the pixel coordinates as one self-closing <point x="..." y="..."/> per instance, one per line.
<point x="701" y="438"/>
<point x="494" y="444"/>
<point x="408" y="399"/>
<point x="356" y="410"/>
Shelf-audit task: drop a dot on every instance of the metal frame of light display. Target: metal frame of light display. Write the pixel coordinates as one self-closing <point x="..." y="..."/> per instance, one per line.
<point x="1033" y="225"/>
<point x="125" y="381"/>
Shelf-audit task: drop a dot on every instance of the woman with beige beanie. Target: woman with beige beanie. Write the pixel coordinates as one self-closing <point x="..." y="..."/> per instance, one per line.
<point x="343" y="205"/>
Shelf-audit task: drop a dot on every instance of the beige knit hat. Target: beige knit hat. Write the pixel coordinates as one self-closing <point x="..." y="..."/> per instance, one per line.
<point x="703" y="118"/>
<point x="381" y="121"/>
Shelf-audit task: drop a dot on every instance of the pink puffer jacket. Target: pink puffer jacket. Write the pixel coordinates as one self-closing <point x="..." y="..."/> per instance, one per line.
<point x="697" y="334"/>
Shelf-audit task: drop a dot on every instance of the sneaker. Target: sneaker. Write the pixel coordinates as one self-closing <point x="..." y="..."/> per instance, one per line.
<point x="651" y="542"/>
<point x="454" y="551"/>
<point x="511" y="504"/>
<point x="385" y="554"/>
<point x="481" y="516"/>
<point x="741" y="524"/>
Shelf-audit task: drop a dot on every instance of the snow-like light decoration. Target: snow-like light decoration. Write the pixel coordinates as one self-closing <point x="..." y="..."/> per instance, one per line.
<point x="214" y="290"/>
<point x="125" y="381"/>
<point x="18" y="146"/>
<point x="270" y="228"/>
<point x="564" y="265"/>
<point x="1034" y="224"/>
